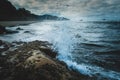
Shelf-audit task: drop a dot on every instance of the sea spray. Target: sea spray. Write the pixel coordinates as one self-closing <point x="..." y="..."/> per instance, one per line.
<point x="64" y="36"/>
<point x="63" y="42"/>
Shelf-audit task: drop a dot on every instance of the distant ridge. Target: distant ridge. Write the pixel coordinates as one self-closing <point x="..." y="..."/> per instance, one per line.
<point x="51" y="17"/>
<point x="9" y="13"/>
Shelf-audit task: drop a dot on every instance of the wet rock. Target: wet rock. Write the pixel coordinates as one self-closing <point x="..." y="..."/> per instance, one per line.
<point x="1" y="42"/>
<point x="2" y="29"/>
<point x="31" y="61"/>
<point x="27" y="32"/>
<point x="4" y="46"/>
<point x="19" y="28"/>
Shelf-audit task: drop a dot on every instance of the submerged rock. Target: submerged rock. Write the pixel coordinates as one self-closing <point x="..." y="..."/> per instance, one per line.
<point x="35" y="61"/>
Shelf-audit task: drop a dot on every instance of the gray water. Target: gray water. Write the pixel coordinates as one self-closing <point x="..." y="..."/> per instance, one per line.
<point x="92" y="48"/>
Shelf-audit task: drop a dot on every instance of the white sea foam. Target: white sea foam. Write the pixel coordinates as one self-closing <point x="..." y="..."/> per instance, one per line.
<point x="62" y="36"/>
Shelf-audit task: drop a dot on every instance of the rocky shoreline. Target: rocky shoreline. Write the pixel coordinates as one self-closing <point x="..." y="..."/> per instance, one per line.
<point x="33" y="61"/>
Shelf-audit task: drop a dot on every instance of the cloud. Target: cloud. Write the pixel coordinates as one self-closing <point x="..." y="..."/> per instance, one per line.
<point x="71" y="8"/>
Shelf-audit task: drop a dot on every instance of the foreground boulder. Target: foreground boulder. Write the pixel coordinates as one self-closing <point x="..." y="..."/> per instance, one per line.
<point x="35" y="61"/>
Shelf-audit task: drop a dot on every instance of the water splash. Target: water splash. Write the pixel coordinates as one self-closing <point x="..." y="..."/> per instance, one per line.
<point x="63" y="37"/>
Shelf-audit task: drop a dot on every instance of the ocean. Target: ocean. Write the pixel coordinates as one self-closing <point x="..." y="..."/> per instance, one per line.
<point x="91" y="48"/>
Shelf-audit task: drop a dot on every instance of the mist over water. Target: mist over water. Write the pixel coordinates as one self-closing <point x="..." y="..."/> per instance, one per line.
<point x="77" y="44"/>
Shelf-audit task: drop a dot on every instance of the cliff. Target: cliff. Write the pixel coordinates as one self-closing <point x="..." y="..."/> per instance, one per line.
<point x="9" y="13"/>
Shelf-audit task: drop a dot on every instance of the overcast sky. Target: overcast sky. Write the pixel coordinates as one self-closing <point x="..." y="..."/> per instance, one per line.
<point x="73" y="8"/>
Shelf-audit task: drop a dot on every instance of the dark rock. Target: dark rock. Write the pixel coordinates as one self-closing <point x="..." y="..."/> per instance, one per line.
<point x="2" y="29"/>
<point x="19" y="28"/>
<point x="4" y="46"/>
<point x="1" y="42"/>
<point x="49" y="52"/>
<point x="27" y="32"/>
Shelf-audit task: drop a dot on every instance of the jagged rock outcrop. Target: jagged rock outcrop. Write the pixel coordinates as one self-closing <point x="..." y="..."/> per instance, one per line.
<point x="34" y="61"/>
